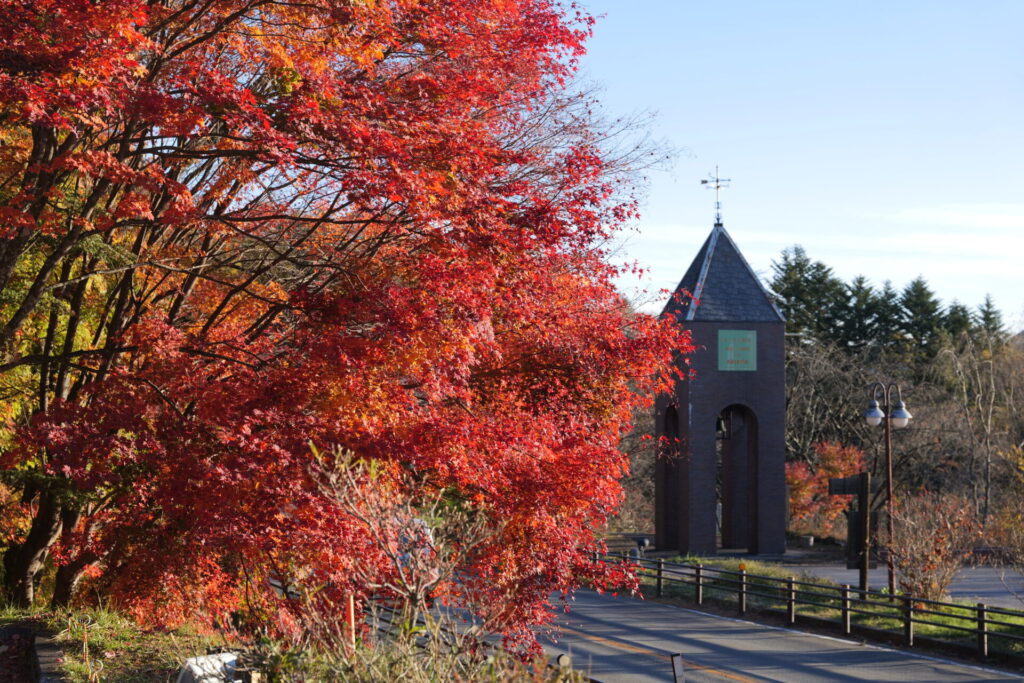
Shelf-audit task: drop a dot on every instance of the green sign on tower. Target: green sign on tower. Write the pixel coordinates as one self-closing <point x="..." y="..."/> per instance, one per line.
<point x="737" y="350"/>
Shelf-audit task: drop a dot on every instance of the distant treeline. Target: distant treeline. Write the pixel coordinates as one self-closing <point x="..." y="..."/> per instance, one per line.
<point x="855" y="315"/>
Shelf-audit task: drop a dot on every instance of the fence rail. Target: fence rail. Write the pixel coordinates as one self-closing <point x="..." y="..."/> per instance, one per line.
<point x="979" y="629"/>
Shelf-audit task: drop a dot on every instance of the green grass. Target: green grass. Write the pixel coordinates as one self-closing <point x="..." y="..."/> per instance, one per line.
<point x="12" y="615"/>
<point x="102" y="645"/>
<point x="770" y="593"/>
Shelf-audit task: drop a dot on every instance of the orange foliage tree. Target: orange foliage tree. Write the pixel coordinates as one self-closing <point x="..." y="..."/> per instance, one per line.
<point x="231" y="228"/>
<point x="811" y="508"/>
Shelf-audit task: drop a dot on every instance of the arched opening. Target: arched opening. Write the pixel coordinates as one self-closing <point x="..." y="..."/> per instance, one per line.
<point x="670" y="476"/>
<point x="736" y="479"/>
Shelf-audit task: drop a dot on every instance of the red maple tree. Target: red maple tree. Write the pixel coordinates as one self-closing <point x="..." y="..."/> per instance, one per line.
<point x="232" y="229"/>
<point x="811" y="508"/>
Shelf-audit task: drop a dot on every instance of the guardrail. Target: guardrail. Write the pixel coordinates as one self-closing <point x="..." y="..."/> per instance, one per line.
<point x="981" y="630"/>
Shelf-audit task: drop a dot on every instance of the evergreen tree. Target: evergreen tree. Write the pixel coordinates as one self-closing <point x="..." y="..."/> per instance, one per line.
<point x="888" y="316"/>
<point x="990" y="331"/>
<point x="860" y="315"/>
<point x="808" y="294"/>
<point x="958" y="322"/>
<point x="922" y="319"/>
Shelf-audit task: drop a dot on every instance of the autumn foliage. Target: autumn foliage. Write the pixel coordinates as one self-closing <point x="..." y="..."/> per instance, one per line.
<point x="230" y="230"/>
<point x="811" y="508"/>
<point x="933" y="534"/>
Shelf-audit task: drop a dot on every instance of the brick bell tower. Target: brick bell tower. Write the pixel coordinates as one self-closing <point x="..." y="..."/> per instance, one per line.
<point x="720" y="481"/>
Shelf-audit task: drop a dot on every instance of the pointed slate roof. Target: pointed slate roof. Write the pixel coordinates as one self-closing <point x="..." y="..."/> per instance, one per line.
<point x="724" y="285"/>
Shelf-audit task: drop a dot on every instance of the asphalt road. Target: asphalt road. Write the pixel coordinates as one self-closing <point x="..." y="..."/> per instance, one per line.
<point x="624" y="640"/>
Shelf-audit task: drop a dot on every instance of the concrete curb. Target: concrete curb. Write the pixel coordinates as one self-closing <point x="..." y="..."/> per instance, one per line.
<point x="47" y="656"/>
<point x="44" y="654"/>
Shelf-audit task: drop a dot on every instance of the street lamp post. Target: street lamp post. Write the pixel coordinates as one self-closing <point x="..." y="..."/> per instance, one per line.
<point x="894" y="416"/>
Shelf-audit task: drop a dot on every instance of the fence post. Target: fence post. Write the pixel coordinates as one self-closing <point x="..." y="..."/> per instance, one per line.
<point x="699" y="577"/>
<point x="982" y="631"/>
<point x="661" y="576"/>
<point x="791" y="599"/>
<point x="846" y="608"/>
<point x="743" y="591"/>
<point x="908" y="620"/>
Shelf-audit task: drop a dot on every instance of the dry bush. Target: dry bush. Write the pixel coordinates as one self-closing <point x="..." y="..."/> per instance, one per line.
<point x="416" y="615"/>
<point x="932" y="535"/>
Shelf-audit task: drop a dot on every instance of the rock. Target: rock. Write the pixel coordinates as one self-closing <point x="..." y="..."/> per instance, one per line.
<point x="218" y="668"/>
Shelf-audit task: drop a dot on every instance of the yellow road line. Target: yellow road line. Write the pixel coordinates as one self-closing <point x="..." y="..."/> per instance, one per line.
<point x="655" y="653"/>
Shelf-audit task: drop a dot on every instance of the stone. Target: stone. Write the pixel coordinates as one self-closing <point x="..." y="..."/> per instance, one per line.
<point x="216" y="668"/>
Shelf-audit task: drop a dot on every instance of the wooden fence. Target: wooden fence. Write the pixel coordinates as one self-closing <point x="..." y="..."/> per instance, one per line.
<point x="981" y="630"/>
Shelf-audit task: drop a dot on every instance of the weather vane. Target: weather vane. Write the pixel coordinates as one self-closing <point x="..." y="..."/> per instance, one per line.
<point x="717" y="183"/>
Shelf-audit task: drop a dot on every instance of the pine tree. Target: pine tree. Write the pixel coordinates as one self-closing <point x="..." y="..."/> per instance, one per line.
<point x="808" y="294"/>
<point x="888" y="317"/>
<point x="922" y="319"/>
<point x="860" y="315"/>
<point x="990" y="331"/>
<point x="958" y="322"/>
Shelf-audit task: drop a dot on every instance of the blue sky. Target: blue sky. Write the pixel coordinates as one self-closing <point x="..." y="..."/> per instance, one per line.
<point x="886" y="138"/>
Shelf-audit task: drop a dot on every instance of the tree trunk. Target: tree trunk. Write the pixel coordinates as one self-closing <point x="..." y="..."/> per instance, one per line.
<point x="69" y="574"/>
<point x="24" y="561"/>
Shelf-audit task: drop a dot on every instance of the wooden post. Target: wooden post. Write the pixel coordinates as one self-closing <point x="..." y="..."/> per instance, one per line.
<point x="982" y="631"/>
<point x="699" y="577"/>
<point x="865" y="521"/>
<point x="845" y="595"/>
<point x="791" y="599"/>
<point x="743" y="591"/>
<point x="661" y="576"/>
